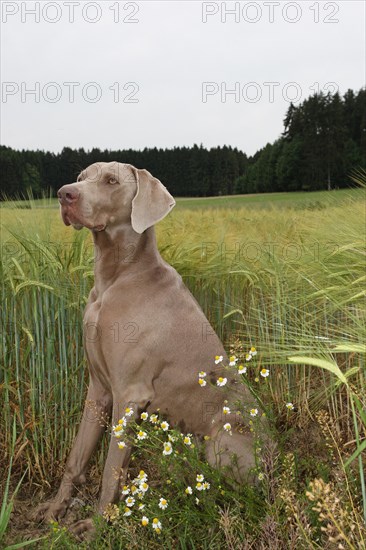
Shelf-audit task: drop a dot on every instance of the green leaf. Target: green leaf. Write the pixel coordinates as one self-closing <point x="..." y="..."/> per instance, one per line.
<point x="357" y="348"/>
<point x="357" y="452"/>
<point x="321" y="363"/>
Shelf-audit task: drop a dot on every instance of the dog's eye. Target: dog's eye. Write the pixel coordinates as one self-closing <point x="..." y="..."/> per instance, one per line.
<point x="112" y="181"/>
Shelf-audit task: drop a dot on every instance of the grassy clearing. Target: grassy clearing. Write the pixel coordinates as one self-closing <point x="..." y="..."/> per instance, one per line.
<point x="286" y="275"/>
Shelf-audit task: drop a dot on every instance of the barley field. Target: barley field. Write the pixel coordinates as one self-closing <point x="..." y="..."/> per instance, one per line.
<point x="284" y="274"/>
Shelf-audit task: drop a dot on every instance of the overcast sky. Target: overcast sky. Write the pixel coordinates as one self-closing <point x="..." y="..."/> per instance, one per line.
<point x="121" y="75"/>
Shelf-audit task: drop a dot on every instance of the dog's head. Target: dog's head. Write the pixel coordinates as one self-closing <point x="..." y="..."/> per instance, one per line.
<point x="108" y="194"/>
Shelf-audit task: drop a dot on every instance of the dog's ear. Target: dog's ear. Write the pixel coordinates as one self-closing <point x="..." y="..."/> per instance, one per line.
<point x="151" y="203"/>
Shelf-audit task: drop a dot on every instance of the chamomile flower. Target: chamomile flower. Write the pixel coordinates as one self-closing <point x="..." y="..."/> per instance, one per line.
<point x="226" y="410"/>
<point x="130" y="501"/>
<point x="232" y="361"/>
<point x="125" y="490"/>
<point x="122" y="422"/>
<point x="168" y="449"/>
<point x="253" y="412"/>
<point x="128" y="512"/>
<point x="202" y="382"/>
<point x="141" y="435"/>
<point x="141" y="506"/>
<point x="187" y="440"/>
<point x="188" y="490"/>
<point x="199" y="477"/>
<point x="144" y="521"/>
<point x="264" y="373"/>
<point x="218" y="359"/>
<point x="143" y="487"/>
<point x="227" y="427"/>
<point x="248" y="357"/>
<point x="221" y="381"/>
<point x="144" y="416"/>
<point x="206" y="486"/>
<point x="142" y="476"/>
<point x="242" y="369"/>
<point x="154" y="419"/>
<point x="128" y="411"/>
<point x="134" y="489"/>
<point x="261" y="476"/>
<point x="156" y="524"/>
<point x="290" y="406"/>
<point x="163" y="503"/>
<point x="164" y="426"/>
<point x="199" y="486"/>
<point x="202" y="374"/>
<point x="121" y="444"/>
<point x="253" y="351"/>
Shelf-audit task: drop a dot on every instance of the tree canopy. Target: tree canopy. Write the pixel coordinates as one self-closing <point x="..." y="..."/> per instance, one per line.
<point x="324" y="139"/>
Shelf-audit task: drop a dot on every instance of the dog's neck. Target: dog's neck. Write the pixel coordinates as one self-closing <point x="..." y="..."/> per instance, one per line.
<point x="120" y="252"/>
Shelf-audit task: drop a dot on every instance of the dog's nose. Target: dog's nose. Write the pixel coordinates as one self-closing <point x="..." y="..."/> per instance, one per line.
<point x="68" y="194"/>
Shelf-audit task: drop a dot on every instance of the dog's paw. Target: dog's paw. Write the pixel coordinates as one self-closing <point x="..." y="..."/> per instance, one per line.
<point x="84" y="528"/>
<point x="49" y="511"/>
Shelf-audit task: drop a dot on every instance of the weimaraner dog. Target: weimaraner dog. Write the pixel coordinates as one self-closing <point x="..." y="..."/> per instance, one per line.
<point x="145" y="336"/>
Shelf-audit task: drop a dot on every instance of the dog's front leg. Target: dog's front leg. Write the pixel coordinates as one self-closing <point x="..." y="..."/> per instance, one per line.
<point x="97" y="407"/>
<point x="115" y="472"/>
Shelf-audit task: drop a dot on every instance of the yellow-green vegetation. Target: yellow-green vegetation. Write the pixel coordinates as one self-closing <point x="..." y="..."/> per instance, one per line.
<point x="284" y="275"/>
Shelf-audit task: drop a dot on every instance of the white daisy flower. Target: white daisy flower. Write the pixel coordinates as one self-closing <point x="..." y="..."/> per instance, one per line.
<point x="202" y="374"/>
<point x="128" y="512"/>
<point x="232" y="361"/>
<point x="144" y="416"/>
<point x="156" y="524"/>
<point x="290" y="406"/>
<point x="144" y="521"/>
<point x="134" y="489"/>
<point x="168" y="449"/>
<point x="188" y="491"/>
<point x="227" y="427"/>
<point x="226" y="410"/>
<point x="154" y="419"/>
<point x="199" y="486"/>
<point x="121" y="444"/>
<point x="241" y="369"/>
<point x="187" y="440"/>
<point x="199" y="477"/>
<point x="125" y="490"/>
<point x="143" y="487"/>
<point x="141" y="506"/>
<point x="221" y="381"/>
<point x="130" y="501"/>
<point x="202" y="382"/>
<point x="218" y="359"/>
<point x="264" y="373"/>
<point x="128" y="411"/>
<point x="253" y="412"/>
<point x="163" y="503"/>
<point x="142" y="476"/>
<point x="141" y="435"/>
<point x="248" y="357"/>
<point x="253" y="351"/>
<point x="206" y="486"/>
<point x="164" y="426"/>
<point x="122" y="422"/>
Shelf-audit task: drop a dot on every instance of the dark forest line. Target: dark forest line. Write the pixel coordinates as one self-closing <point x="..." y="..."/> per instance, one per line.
<point x="323" y="141"/>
